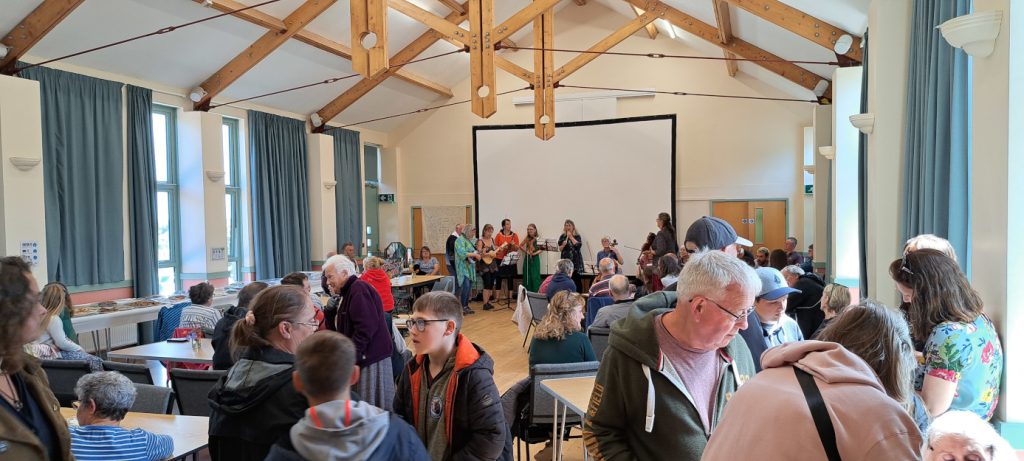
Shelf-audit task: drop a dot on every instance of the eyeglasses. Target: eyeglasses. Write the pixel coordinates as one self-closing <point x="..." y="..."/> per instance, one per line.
<point x="421" y="324"/>
<point x="737" y="317"/>
<point x="312" y="323"/>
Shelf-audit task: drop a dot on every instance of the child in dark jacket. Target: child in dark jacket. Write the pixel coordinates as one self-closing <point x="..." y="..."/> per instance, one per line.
<point x="447" y="391"/>
<point x="335" y="427"/>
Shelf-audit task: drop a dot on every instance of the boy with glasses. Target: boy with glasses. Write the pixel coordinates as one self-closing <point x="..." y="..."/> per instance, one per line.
<point x="447" y="390"/>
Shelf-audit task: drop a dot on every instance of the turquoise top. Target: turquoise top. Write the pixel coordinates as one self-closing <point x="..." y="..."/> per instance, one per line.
<point x="465" y="268"/>
<point x="968" y="354"/>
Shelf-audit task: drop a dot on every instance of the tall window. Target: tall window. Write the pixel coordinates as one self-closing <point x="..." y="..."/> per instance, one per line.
<point x="232" y="197"/>
<point x="371" y="172"/>
<point x="167" y="238"/>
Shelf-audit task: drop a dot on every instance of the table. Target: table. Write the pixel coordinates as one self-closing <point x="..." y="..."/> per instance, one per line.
<point x="413" y="281"/>
<point x="190" y="433"/>
<point x="95" y="323"/>
<point x="572" y="394"/>
<point x="168" y="351"/>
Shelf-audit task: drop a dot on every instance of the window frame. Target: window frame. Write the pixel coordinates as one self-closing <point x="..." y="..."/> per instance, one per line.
<point x="234" y="190"/>
<point x="171" y="188"/>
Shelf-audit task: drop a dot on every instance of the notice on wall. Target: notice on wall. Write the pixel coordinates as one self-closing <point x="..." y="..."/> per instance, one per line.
<point x="30" y="251"/>
<point x="438" y="223"/>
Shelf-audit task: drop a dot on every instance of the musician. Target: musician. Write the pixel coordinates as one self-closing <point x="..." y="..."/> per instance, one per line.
<point x="531" y="261"/>
<point x="570" y="244"/>
<point x="609" y="251"/>
<point x="507" y="242"/>
<point x="665" y="240"/>
<point x="487" y="266"/>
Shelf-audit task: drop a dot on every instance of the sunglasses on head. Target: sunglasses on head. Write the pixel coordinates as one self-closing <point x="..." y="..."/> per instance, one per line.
<point x="904" y="267"/>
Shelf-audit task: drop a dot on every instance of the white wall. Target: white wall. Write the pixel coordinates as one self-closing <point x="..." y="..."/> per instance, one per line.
<point x="846" y="87"/>
<point x="727" y="149"/>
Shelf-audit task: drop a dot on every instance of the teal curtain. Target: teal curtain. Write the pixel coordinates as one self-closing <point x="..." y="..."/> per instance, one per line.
<point x="83" y="161"/>
<point x="862" y="176"/>
<point x="348" y="193"/>
<point x="142" y="191"/>
<point x="280" y="194"/>
<point x="937" y="176"/>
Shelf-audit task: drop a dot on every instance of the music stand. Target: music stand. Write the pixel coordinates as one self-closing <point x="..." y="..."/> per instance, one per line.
<point x="511" y="259"/>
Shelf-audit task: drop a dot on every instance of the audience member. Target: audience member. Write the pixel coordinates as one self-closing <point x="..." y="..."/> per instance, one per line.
<point x="963" y="359"/>
<point x="30" y="421"/>
<point x="104" y="398"/>
<point x="465" y="265"/>
<point x="684" y="361"/>
<point x="561" y="280"/>
<point x="777" y="259"/>
<point x="447" y="391"/>
<point x="618" y="287"/>
<point x="768" y="418"/>
<point x="201" y="314"/>
<point x="348" y="250"/>
<point x="835" y="298"/>
<point x="302" y="280"/>
<point x="361" y="318"/>
<point x="646" y="257"/>
<point x="747" y="257"/>
<point x="933" y="242"/>
<point x="571" y="244"/>
<point x="668" y="271"/>
<point x="808" y="264"/>
<point x="256" y="404"/>
<point x="963" y="436"/>
<point x="707" y="233"/>
<point x="53" y="342"/>
<point x="222" y="358"/>
<point x="770" y="310"/>
<point x="665" y="241"/>
<point x="65" y="315"/>
<point x="606" y="269"/>
<point x="337" y="427"/>
<point x="793" y="257"/>
<point x="426" y="264"/>
<point x="762" y="257"/>
<point x="374" y="274"/>
<point x="805" y="305"/>
<point x="609" y="251"/>
<point x="559" y="337"/>
<point x="651" y="281"/>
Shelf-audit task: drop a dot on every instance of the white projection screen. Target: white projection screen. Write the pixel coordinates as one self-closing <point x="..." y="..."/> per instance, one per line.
<point x="611" y="177"/>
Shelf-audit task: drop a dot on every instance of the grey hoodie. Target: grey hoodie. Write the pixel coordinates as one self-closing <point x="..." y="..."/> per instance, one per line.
<point x="322" y="434"/>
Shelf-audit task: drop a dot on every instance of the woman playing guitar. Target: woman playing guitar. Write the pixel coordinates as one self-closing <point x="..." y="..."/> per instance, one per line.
<point x="488" y="264"/>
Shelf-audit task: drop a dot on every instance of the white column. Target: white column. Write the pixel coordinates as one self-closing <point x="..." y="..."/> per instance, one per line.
<point x="21" y="192"/>
<point x="846" y="91"/>
<point x="997" y="202"/>
<point x="203" y="211"/>
<point x="822" y="132"/>
<point x="322" y="213"/>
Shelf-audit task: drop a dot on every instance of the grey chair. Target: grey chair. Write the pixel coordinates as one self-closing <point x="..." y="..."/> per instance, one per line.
<point x="192" y="388"/>
<point x="538" y="309"/>
<point x="598" y="340"/>
<point x="446" y="283"/>
<point x="137" y="373"/>
<point x="63" y="376"/>
<point x="153" y="399"/>
<point x="541" y="410"/>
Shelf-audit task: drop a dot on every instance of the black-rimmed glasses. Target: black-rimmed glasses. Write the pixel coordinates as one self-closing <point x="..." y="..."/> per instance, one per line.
<point x="737" y="317"/>
<point x="421" y="324"/>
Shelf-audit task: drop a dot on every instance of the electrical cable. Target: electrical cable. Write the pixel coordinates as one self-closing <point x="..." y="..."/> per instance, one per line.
<point x="417" y="111"/>
<point x="685" y="93"/>
<point x="672" y="56"/>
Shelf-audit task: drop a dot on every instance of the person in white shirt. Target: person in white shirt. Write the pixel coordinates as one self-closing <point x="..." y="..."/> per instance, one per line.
<point x="201" y="314"/>
<point x="54" y="300"/>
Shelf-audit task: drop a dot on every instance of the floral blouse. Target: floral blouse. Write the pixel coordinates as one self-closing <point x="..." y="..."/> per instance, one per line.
<point x="968" y="354"/>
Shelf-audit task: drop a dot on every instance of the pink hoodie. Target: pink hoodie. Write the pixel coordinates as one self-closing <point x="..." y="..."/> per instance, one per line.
<point x="768" y="418"/>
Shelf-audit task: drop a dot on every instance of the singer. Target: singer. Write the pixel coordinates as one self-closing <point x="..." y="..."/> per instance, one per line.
<point x="570" y="243"/>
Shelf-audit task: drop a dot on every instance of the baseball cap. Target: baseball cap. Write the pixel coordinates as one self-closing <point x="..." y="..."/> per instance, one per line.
<point x="713" y="233"/>
<point x="773" y="284"/>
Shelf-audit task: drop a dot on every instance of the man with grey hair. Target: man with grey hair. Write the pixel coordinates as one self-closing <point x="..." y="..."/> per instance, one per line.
<point x="561" y="280"/>
<point x="104" y="399"/>
<point x="804" y="305"/>
<point x="619" y="289"/>
<point x="685" y="362"/>
<point x="605" y="269"/>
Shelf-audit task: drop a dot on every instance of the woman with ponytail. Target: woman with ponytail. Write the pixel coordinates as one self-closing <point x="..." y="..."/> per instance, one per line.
<point x="665" y="241"/>
<point x="256" y="403"/>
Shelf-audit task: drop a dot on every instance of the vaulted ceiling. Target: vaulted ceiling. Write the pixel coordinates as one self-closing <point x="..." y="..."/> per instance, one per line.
<point x="185" y="58"/>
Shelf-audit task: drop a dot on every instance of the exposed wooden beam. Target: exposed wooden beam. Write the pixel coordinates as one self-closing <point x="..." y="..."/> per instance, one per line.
<point x="737" y="46"/>
<point x="369" y="32"/>
<point x="451" y="31"/>
<point x="724" y="20"/>
<point x="652" y="30"/>
<point x="323" y="43"/>
<point x="483" y="82"/>
<point x="259" y="50"/>
<point x="351" y="95"/>
<point x="33" y="28"/>
<point x="800" y="23"/>
<point x="544" y="75"/>
<point x="453" y="5"/>
<point x="521" y="18"/>
<point x="608" y="42"/>
<point x="514" y="69"/>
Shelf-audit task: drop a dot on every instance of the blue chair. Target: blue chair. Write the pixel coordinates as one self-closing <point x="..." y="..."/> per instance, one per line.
<point x="168" y="319"/>
<point x="593" y="305"/>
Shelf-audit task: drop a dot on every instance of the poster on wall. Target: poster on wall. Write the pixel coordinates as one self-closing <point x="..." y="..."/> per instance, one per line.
<point x="438" y="223"/>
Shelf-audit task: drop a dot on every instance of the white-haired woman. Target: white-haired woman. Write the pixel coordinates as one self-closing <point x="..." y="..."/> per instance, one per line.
<point x="964" y="436"/>
<point x="104" y="399"/>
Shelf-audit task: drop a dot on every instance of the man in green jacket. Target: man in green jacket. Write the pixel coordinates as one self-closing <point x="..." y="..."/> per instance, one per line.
<point x="668" y="373"/>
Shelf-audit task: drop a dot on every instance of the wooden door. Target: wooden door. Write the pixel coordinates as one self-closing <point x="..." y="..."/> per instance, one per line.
<point x="767" y="222"/>
<point x="734" y="213"/>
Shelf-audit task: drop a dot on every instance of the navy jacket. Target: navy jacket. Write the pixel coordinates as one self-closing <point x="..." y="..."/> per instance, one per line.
<point x="560" y="282"/>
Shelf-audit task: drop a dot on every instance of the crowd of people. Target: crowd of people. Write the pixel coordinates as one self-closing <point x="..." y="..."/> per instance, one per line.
<point x="720" y="354"/>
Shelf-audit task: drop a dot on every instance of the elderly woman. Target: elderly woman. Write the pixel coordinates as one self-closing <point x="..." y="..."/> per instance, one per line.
<point x="963" y="359"/>
<point x="561" y="280"/>
<point x="360" y="316"/>
<point x="835" y="298"/>
<point x="465" y="265"/>
<point x="864" y="381"/>
<point x="256" y="403"/>
<point x="559" y="337"/>
<point x="104" y="398"/>
<point x="31" y="426"/>
<point x="963" y="436"/>
<point x="54" y="339"/>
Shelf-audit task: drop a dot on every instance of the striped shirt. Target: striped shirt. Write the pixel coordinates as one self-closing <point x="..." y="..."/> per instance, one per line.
<point x="202" y="317"/>
<point x="117" y="443"/>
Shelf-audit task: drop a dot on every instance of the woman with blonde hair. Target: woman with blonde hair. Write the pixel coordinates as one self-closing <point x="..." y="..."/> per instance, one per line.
<point x="835" y="298"/>
<point x="53" y="337"/>
<point x="559" y="337"/>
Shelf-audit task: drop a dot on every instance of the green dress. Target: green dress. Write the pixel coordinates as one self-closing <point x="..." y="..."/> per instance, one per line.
<point x="531" y="269"/>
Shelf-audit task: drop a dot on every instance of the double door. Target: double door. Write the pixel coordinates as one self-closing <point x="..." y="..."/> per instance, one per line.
<point x="762" y="222"/>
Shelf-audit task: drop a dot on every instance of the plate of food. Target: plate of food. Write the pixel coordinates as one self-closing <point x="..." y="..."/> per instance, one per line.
<point x="142" y="303"/>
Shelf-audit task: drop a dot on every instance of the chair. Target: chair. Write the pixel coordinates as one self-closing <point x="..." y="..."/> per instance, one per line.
<point x="538" y="309"/>
<point x="192" y="388"/>
<point x="168" y="319"/>
<point x="63" y="376"/>
<point x="598" y="340"/>
<point x="541" y="406"/>
<point x="446" y="283"/>
<point x="153" y="399"/>
<point x="593" y="305"/>
<point x="137" y="373"/>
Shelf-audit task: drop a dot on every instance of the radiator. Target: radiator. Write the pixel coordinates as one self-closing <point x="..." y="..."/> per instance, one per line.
<point x="120" y="336"/>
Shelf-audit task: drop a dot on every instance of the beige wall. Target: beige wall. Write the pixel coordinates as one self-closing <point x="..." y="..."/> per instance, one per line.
<point x="727" y="149"/>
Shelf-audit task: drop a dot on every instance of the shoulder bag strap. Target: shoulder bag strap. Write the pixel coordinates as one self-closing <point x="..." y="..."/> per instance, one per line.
<point x="822" y="420"/>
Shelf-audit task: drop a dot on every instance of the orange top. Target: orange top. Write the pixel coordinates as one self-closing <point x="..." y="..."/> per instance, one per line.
<point x="502" y="239"/>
